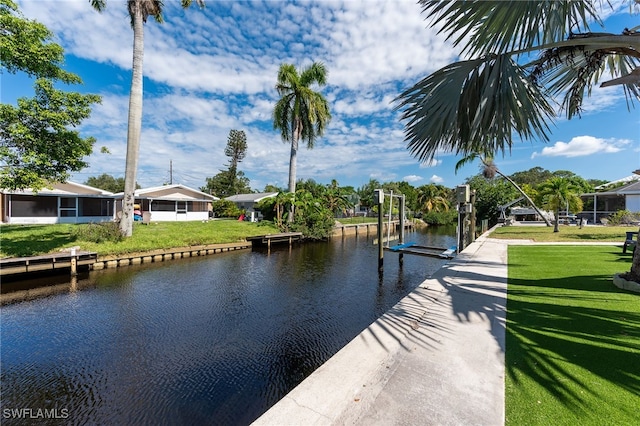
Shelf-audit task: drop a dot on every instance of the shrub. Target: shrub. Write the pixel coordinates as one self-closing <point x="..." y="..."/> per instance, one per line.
<point x="98" y="232"/>
<point x="225" y="208"/>
<point x="623" y="217"/>
<point x="440" y="218"/>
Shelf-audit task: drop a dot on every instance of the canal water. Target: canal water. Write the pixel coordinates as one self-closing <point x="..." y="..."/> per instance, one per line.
<point x="210" y="340"/>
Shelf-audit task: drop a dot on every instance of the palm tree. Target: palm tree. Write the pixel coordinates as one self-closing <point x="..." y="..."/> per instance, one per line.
<point x="559" y="193"/>
<point x="300" y="113"/>
<point x="432" y="197"/>
<point x="477" y="104"/>
<point x="336" y="198"/>
<point x="489" y="171"/>
<point x="139" y="11"/>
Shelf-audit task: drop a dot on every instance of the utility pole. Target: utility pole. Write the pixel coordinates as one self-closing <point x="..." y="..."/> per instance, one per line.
<point x="170" y="172"/>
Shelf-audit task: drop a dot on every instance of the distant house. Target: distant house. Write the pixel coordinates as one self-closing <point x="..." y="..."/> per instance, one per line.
<point x="608" y="201"/>
<point x="68" y="202"/>
<point x="248" y="202"/>
<point x="171" y="203"/>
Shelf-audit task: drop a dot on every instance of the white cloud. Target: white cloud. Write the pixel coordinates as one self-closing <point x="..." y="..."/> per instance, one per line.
<point x="436" y="179"/>
<point x="582" y="145"/>
<point x="431" y="163"/>
<point x="412" y="178"/>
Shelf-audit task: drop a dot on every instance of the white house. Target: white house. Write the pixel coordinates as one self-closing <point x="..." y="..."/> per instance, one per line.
<point x="248" y="202"/>
<point x="67" y="202"/>
<point x="624" y="195"/>
<point x="171" y="203"/>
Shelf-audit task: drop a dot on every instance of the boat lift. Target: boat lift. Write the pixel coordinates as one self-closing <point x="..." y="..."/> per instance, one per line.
<point x="401" y="248"/>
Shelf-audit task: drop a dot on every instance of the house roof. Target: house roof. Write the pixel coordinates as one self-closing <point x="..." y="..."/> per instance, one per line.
<point x="255" y="198"/>
<point x="177" y="192"/>
<point x="626" y="180"/>
<point x="631" y="188"/>
<point x="65" y="188"/>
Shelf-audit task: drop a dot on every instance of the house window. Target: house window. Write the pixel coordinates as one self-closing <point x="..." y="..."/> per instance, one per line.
<point x="196" y="206"/>
<point x="95" y="207"/>
<point x="68" y="206"/>
<point x="32" y="206"/>
<point x="163" y="206"/>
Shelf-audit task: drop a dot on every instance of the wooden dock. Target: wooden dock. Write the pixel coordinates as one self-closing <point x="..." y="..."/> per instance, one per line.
<point x="285" y="237"/>
<point x="48" y="262"/>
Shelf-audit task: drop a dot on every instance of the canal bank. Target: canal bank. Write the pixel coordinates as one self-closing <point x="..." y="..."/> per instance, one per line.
<point x="437" y="357"/>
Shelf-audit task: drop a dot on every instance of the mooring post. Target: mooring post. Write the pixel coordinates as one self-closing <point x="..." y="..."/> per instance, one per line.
<point x="462" y="196"/>
<point x="472" y="226"/>
<point x="74" y="262"/>
<point x="379" y="193"/>
<point x="401" y="255"/>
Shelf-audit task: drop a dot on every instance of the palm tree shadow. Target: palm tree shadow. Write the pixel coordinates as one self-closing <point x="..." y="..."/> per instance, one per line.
<point x="552" y="339"/>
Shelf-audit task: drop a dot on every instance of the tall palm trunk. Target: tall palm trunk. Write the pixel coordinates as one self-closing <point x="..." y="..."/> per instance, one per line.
<point x="529" y="200"/>
<point x="134" y="126"/>
<point x="293" y="159"/>
<point x="556" y="222"/>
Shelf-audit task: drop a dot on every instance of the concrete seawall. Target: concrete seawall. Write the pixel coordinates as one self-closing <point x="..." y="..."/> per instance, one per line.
<point x="117" y="261"/>
<point x="367" y="229"/>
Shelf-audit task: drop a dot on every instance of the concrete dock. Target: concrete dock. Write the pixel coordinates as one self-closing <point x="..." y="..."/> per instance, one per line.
<point x="436" y="358"/>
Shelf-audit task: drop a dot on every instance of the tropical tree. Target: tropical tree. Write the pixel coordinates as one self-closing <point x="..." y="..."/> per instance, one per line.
<point x="533" y="177"/>
<point x="222" y="185"/>
<point x="490" y="195"/>
<point x="366" y="193"/>
<point x="337" y="198"/>
<point x="39" y="143"/>
<point x="236" y="150"/>
<point x="489" y="171"/>
<point x="139" y="12"/>
<point x="107" y="182"/>
<point x="479" y="104"/>
<point x="433" y="197"/>
<point x="301" y="112"/>
<point x="560" y="193"/>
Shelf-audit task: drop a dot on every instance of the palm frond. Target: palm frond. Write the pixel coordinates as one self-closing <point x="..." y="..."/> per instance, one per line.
<point x="473" y="106"/>
<point x="99" y="5"/>
<point x="315" y="73"/>
<point x="503" y="26"/>
<point x="574" y="70"/>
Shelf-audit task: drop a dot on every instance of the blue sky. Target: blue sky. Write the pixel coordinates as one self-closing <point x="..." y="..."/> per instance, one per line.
<point x="211" y="70"/>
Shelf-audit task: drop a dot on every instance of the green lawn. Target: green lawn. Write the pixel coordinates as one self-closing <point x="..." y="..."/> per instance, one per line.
<point x="29" y="240"/>
<point x="573" y="338"/>
<point x="567" y="233"/>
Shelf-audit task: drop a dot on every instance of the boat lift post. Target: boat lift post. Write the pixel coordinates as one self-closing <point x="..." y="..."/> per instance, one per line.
<point x="379" y="197"/>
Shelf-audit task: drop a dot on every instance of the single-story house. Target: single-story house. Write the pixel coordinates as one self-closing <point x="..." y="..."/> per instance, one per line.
<point x="67" y="202"/>
<point x="248" y="202"/>
<point x="171" y="203"/>
<point x="625" y="196"/>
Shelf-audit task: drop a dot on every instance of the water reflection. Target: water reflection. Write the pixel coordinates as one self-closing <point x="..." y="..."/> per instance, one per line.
<point x="209" y="340"/>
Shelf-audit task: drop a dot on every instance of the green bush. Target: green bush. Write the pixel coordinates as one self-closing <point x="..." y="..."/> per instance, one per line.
<point x="314" y="223"/>
<point x="267" y="208"/>
<point x="440" y="218"/>
<point x="98" y="232"/>
<point x="624" y="217"/>
<point x="225" y="208"/>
